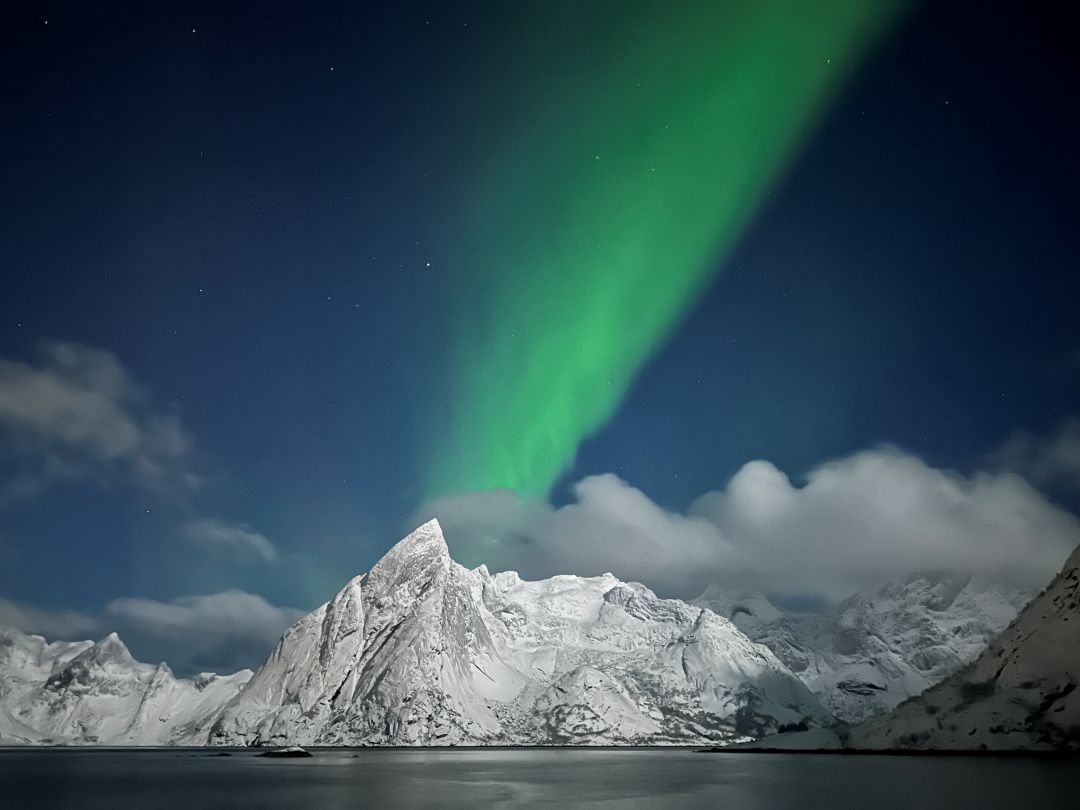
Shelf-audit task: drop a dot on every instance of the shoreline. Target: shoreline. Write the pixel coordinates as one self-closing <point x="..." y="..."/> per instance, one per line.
<point x="256" y="750"/>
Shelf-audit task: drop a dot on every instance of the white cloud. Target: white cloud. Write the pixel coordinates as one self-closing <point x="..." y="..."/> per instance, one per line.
<point x="1045" y="461"/>
<point x="77" y="413"/>
<point x="611" y="527"/>
<point x="68" y="625"/>
<point x="875" y="515"/>
<point x="881" y="514"/>
<point x="236" y="540"/>
<point x="218" y="632"/>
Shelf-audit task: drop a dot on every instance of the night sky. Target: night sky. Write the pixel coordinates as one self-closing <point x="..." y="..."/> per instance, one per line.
<point x="278" y="284"/>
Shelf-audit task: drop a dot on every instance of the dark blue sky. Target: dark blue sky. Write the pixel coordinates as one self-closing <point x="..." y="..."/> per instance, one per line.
<point x="244" y="214"/>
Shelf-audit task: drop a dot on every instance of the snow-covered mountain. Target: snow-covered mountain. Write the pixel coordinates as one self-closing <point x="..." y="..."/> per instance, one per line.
<point x="882" y="645"/>
<point x="1018" y="694"/>
<point x="422" y="651"/>
<point x="82" y="692"/>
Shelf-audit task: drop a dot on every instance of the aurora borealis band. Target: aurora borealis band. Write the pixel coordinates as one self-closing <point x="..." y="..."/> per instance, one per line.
<point x="639" y="143"/>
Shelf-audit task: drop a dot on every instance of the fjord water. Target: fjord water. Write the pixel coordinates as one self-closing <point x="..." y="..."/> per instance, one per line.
<point x="346" y="778"/>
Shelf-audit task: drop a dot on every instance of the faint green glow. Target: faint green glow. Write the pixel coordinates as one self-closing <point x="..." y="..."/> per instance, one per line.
<point x="618" y="182"/>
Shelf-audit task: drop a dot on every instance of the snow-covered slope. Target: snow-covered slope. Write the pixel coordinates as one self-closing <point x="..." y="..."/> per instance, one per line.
<point x="424" y="651"/>
<point x="1020" y="693"/>
<point x="82" y="692"/>
<point x="880" y="646"/>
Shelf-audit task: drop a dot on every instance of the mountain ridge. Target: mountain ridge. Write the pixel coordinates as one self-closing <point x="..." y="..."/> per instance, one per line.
<point x="422" y="651"/>
<point x="1019" y="694"/>
<point x="882" y="645"/>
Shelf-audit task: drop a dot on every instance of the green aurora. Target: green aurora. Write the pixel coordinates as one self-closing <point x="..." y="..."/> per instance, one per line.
<point x="640" y="140"/>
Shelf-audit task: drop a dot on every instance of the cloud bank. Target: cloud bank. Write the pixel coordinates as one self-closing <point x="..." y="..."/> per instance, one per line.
<point x="62" y="624"/>
<point x="219" y="632"/>
<point x="875" y="515"/>
<point x="77" y="413"/>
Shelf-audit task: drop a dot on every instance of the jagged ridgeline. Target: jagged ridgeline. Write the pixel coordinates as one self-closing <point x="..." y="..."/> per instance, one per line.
<point x="422" y="651"/>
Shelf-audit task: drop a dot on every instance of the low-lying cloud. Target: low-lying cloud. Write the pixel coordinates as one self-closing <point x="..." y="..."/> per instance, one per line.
<point x="875" y="515"/>
<point x="219" y="632"/>
<point x="69" y="625"/>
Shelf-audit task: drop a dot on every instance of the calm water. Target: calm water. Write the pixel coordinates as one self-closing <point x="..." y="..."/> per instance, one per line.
<point x="623" y="778"/>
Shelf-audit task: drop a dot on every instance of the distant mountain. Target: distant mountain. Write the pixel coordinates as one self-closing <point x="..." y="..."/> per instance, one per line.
<point x="86" y="693"/>
<point x="1020" y="693"/>
<point x="422" y="651"/>
<point x="882" y="645"/>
